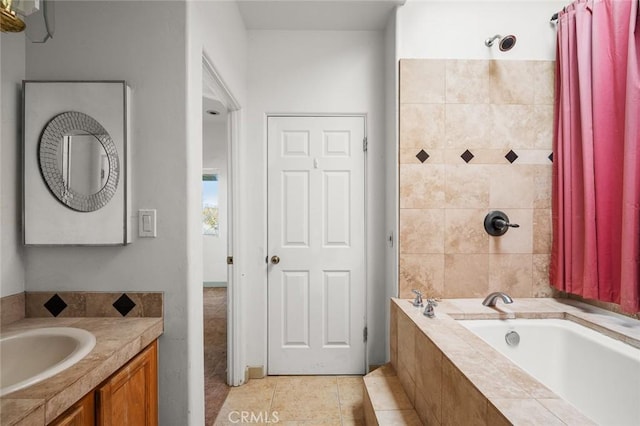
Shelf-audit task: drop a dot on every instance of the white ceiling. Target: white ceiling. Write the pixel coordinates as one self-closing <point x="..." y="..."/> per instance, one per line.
<point x="329" y="15"/>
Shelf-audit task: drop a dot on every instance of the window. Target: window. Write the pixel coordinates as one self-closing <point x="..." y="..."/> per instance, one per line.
<point x="210" y="213"/>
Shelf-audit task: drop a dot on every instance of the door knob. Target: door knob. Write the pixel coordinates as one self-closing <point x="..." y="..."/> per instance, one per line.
<point x="275" y="260"/>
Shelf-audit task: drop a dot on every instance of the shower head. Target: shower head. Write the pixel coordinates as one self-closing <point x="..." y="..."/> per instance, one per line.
<point x="506" y="42"/>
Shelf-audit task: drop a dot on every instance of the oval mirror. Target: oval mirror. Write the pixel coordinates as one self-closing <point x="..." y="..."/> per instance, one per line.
<point x="79" y="161"/>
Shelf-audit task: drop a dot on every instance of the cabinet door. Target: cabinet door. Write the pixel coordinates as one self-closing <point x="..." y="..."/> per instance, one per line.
<point x="82" y="413"/>
<point x="130" y="396"/>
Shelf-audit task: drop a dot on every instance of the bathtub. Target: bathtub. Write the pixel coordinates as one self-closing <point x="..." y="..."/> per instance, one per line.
<point x="599" y="375"/>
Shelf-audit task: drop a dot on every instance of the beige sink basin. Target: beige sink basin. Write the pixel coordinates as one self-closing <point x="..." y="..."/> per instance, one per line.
<point x="28" y="357"/>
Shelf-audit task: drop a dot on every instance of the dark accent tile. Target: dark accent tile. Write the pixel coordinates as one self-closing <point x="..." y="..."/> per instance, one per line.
<point x="511" y="156"/>
<point x="467" y="156"/>
<point x="55" y="305"/>
<point x="550" y="157"/>
<point x="422" y="156"/>
<point x="124" y="304"/>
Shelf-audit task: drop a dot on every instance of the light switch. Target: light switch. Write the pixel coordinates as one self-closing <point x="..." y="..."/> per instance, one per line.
<point x="147" y="223"/>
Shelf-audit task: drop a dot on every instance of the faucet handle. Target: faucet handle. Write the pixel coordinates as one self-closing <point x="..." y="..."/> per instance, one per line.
<point x="433" y="301"/>
<point x="418" y="300"/>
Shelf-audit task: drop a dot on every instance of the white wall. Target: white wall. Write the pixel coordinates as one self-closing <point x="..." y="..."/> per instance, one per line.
<point x="215" y="29"/>
<point x="144" y="44"/>
<point x="215" y="157"/>
<point x="456" y="29"/>
<point x="12" y="65"/>
<point x="314" y="72"/>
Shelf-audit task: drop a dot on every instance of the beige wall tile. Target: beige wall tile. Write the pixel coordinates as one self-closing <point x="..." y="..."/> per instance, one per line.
<point x="542" y="175"/>
<point x="516" y="240"/>
<point x="393" y="335"/>
<point x="542" y="232"/>
<point x="422" y="81"/>
<point x="467" y="126"/>
<point x="510" y="273"/>
<point x="462" y="404"/>
<point x="424" y="272"/>
<point x="422" y="126"/>
<point x="566" y="412"/>
<point x="386" y="393"/>
<point x="421" y="186"/>
<point x="421" y="231"/>
<point x="369" y="413"/>
<point x="495" y="417"/>
<point x="467" y="82"/>
<point x="489" y="108"/>
<point x="511" y="186"/>
<point x="542" y="125"/>
<point x="408" y="384"/>
<point x="410" y="155"/>
<point x="406" y="346"/>
<point x="526" y="411"/>
<point x="466" y="275"/>
<point x="428" y="378"/>
<point x="467" y="186"/>
<point x="12" y="308"/>
<point x="480" y="156"/>
<point x="34" y="304"/>
<point x="540" y="281"/>
<point x="426" y="416"/>
<point x="465" y="231"/>
<point x="511" y="82"/>
<point x="399" y="417"/>
<point x="512" y="127"/>
<point x="544" y="82"/>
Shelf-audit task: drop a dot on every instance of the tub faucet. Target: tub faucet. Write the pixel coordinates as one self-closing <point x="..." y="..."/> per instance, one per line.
<point x="429" y="311"/>
<point x="491" y="299"/>
<point x="418" y="300"/>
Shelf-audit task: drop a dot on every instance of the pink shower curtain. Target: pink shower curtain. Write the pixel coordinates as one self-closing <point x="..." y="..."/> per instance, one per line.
<point x="596" y="171"/>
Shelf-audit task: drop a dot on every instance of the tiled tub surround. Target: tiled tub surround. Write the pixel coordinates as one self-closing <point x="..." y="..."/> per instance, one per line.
<point x="475" y="136"/>
<point x="451" y="376"/>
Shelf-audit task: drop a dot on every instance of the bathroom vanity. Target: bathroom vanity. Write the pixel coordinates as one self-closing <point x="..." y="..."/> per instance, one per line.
<point x="115" y="384"/>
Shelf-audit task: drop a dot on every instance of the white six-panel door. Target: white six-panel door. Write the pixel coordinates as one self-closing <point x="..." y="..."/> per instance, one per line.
<point x="316" y="240"/>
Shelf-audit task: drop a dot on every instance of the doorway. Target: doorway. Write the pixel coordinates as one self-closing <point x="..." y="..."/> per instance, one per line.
<point x="317" y="248"/>
<point x="215" y="224"/>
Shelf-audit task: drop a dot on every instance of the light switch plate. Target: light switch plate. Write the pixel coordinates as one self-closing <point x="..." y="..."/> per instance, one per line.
<point x="147" y="223"/>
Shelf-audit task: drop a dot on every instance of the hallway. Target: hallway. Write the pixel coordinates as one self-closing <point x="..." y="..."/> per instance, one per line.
<point x="215" y="350"/>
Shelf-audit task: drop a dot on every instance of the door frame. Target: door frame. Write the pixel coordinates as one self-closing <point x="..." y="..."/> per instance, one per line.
<point x="214" y="86"/>
<point x="366" y="214"/>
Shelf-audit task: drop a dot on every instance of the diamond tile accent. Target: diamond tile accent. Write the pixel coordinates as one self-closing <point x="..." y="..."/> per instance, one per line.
<point x="550" y="157"/>
<point x="55" y="305"/>
<point x="467" y="156"/>
<point x="124" y="304"/>
<point x="511" y="156"/>
<point x="422" y="156"/>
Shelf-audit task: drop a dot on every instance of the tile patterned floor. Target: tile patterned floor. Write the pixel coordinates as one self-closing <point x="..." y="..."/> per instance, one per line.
<point x="295" y="400"/>
<point x="215" y="351"/>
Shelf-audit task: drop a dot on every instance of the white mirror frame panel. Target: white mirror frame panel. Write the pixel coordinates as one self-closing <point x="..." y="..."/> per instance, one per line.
<point x="46" y="219"/>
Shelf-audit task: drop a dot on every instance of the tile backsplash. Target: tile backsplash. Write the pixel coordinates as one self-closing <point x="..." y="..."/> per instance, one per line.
<point x="475" y="136"/>
<point x="93" y="304"/>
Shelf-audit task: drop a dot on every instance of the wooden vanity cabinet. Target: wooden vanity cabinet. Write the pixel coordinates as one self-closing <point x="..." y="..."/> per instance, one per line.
<point x="82" y="413"/>
<point x="128" y="398"/>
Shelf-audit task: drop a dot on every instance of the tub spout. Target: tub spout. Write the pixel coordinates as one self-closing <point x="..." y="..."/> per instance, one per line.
<point x="491" y="299"/>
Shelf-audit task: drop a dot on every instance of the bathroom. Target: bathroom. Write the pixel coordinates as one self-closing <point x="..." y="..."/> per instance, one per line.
<point x="287" y="61"/>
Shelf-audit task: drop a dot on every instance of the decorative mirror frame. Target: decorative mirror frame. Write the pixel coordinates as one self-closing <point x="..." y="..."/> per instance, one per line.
<point x="50" y="142"/>
<point x="51" y="214"/>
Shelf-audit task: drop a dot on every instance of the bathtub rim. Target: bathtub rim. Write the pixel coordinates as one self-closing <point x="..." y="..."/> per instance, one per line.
<point x="460" y="347"/>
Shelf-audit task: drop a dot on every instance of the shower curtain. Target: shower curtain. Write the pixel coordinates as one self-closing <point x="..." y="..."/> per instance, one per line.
<point x="596" y="170"/>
